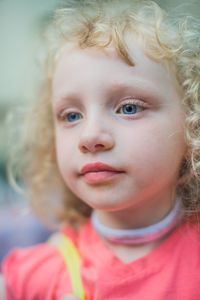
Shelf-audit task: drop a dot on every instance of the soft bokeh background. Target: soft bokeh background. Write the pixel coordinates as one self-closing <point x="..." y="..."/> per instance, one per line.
<point x="21" y="22"/>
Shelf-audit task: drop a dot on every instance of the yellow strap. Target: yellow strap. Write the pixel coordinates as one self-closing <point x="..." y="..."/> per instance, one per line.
<point x="72" y="260"/>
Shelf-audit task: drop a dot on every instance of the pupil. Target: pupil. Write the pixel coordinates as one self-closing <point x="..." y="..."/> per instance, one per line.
<point x="72" y="117"/>
<point x="129" y="108"/>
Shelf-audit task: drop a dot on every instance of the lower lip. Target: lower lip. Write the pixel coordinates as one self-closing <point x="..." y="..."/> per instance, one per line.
<point x="100" y="177"/>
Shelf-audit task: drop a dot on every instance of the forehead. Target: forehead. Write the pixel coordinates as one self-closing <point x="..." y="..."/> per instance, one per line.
<point x="107" y="65"/>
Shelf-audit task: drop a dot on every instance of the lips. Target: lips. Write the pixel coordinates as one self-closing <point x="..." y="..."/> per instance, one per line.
<point x="97" y="167"/>
<point x="98" y="172"/>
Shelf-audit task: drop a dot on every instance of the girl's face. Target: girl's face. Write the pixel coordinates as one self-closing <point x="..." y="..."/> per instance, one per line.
<point x="119" y="130"/>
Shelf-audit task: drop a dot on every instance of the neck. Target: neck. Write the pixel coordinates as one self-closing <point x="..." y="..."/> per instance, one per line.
<point x="142" y="235"/>
<point x="140" y="215"/>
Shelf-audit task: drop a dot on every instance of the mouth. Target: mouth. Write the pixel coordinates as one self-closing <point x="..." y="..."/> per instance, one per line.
<point x="96" y="173"/>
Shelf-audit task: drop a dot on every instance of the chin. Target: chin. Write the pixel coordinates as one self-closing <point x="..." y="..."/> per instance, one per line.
<point x="105" y="206"/>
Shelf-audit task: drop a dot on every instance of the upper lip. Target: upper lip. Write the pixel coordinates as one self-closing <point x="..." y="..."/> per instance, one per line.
<point x="98" y="167"/>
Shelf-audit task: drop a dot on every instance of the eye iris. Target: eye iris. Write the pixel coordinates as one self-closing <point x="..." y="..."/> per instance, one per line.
<point x="71" y="117"/>
<point x="129" y="109"/>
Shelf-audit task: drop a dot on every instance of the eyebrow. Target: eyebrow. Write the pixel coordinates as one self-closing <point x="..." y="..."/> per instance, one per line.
<point x="132" y="84"/>
<point x="67" y="96"/>
<point x="144" y="87"/>
<point x="138" y="87"/>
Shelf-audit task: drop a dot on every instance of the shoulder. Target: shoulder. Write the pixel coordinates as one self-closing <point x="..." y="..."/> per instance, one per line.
<point x="186" y="244"/>
<point x="24" y="271"/>
<point x="28" y="273"/>
<point x="29" y="259"/>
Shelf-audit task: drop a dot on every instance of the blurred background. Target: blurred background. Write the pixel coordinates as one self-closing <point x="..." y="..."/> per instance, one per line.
<point x="21" y="22"/>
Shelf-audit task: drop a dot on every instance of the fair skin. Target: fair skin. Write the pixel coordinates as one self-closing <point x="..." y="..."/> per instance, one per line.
<point x="128" y="117"/>
<point x="69" y="297"/>
<point x="2" y="290"/>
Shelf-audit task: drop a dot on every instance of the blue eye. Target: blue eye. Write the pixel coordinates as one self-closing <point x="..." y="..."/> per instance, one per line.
<point x="128" y="109"/>
<point x="73" y="117"/>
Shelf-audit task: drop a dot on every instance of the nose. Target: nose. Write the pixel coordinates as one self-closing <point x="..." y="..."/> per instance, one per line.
<point x="95" y="141"/>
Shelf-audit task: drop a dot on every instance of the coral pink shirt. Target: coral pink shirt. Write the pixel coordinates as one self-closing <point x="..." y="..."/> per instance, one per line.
<point x="171" y="271"/>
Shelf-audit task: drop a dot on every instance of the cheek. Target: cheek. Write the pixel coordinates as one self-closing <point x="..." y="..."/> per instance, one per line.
<point x="63" y="146"/>
<point x="154" y="147"/>
<point x="67" y="153"/>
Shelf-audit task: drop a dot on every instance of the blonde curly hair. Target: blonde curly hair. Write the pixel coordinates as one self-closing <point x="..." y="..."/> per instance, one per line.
<point x="100" y="23"/>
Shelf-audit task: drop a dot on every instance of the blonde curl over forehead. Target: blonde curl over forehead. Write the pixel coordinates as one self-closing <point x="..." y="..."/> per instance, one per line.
<point x="172" y="39"/>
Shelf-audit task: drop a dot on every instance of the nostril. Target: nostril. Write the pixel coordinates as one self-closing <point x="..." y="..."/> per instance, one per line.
<point x="92" y="148"/>
<point x="99" y="146"/>
<point x="84" y="148"/>
<point x="98" y="142"/>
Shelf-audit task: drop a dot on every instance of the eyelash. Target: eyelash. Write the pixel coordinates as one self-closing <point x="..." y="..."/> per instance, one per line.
<point x="131" y="101"/>
<point x="137" y="103"/>
<point x="63" y="115"/>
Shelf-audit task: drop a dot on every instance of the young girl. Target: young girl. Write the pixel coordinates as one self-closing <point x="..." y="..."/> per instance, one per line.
<point x="111" y="151"/>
